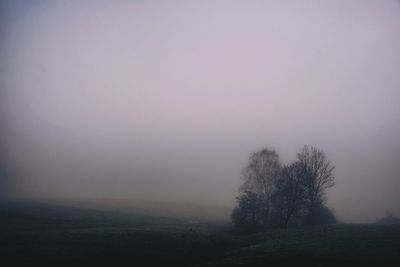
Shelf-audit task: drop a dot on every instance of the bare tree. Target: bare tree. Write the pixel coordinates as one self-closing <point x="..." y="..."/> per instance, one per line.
<point x="271" y="195"/>
<point x="262" y="172"/>
<point x="259" y="180"/>
<point x="317" y="177"/>
<point x="288" y="198"/>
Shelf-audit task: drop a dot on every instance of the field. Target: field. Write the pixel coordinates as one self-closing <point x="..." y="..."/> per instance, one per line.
<point x="54" y="236"/>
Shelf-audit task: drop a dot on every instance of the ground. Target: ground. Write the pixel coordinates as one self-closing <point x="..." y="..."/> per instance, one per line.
<point x="75" y="237"/>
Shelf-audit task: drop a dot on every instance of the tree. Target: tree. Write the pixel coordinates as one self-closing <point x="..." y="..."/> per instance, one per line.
<point x="288" y="199"/>
<point x="259" y="180"/>
<point x="262" y="172"/>
<point x="250" y="213"/>
<point x="317" y="177"/>
<point x="274" y="196"/>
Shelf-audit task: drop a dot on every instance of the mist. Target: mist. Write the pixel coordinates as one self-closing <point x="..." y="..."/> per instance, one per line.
<point x="163" y="101"/>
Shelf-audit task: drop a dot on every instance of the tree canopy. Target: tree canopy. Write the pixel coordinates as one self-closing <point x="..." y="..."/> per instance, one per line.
<point x="273" y="195"/>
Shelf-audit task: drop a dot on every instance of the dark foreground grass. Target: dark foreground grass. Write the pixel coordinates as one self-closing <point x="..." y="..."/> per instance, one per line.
<point x="333" y="245"/>
<point x="126" y="243"/>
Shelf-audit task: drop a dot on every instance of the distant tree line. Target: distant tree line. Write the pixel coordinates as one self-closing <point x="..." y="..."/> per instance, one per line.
<point x="276" y="195"/>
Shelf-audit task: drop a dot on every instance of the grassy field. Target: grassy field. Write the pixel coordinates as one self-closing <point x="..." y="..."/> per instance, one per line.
<point x="72" y="237"/>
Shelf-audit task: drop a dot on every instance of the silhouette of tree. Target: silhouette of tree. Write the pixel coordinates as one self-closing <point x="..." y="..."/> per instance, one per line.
<point x="288" y="199"/>
<point x="317" y="177"/>
<point x="274" y="196"/>
<point x="250" y="214"/>
<point x="261" y="174"/>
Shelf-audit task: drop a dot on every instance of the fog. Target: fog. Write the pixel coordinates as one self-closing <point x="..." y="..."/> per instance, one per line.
<point x="162" y="101"/>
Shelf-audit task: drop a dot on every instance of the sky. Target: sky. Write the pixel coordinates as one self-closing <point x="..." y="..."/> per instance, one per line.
<point x="164" y="100"/>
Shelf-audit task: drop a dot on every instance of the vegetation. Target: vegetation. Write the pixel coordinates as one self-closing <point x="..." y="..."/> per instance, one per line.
<point x="111" y="239"/>
<point x="273" y="195"/>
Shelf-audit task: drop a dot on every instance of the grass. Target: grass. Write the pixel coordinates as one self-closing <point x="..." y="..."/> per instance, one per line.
<point x="110" y="240"/>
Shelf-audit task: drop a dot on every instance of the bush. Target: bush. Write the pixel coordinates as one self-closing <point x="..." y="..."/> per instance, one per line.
<point x="319" y="214"/>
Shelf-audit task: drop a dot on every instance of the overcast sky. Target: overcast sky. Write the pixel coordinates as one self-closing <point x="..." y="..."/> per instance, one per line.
<point x="165" y="99"/>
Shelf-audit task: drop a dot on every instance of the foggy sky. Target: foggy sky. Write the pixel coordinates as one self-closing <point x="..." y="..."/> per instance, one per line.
<point x="164" y="100"/>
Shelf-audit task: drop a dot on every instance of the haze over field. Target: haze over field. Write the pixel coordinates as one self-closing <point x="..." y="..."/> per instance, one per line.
<point x="164" y="100"/>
